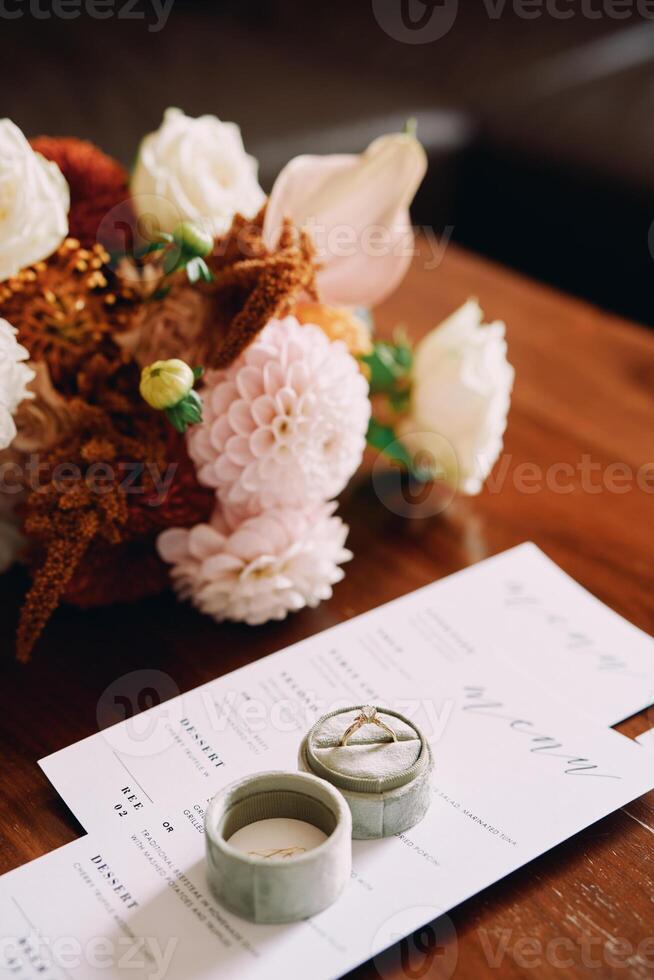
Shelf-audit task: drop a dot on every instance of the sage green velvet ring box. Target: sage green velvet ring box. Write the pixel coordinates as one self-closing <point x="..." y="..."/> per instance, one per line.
<point x="379" y="760"/>
<point x="282" y="882"/>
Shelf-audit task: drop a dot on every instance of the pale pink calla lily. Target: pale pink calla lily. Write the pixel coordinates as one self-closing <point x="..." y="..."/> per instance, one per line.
<point x="356" y="208"/>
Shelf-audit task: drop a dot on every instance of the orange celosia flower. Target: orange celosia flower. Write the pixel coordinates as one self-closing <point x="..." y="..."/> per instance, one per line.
<point x="212" y="323"/>
<point x="67" y="513"/>
<point x="132" y="570"/>
<point x="339" y="323"/>
<point x="66" y="311"/>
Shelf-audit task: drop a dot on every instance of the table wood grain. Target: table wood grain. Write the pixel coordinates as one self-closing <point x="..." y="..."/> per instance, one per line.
<point x="583" y="405"/>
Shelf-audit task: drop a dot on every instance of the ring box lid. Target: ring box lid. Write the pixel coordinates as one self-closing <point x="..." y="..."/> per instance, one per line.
<point x="371" y="762"/>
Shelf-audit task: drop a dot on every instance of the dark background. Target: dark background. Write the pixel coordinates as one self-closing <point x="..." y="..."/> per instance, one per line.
<point x="539" y="128"/>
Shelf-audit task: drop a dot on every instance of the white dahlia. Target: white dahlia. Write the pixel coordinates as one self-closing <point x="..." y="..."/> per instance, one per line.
<point x="285" y="424"/>
<point x="261" y="569"/>
<point x="15" y="376"/>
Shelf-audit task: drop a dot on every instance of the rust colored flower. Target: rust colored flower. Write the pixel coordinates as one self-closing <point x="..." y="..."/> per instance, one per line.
<point x="126" y="572"/>
<point x="252" y="291"/>
<point x="132" y="570"/>
<point x="65" y="527"/>
<point x="66" y="311"/>
<point x="210" y="324"/>
<point x="176" y="499"/>
<point x="175" y="326"/>
<point x="98" y="185"/>
<point x="82" y="501"/>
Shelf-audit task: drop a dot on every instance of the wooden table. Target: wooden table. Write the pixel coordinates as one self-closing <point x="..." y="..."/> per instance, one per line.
<point x="584" y="396"/>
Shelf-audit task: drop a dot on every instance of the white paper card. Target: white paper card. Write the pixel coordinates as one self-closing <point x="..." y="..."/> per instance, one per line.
<point x="516" y="618"/>
<point x="513" y="778"/>
<point x="503" y="666"/>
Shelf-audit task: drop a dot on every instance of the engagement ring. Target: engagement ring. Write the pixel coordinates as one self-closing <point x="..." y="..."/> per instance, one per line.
<point x="367" y="716"/>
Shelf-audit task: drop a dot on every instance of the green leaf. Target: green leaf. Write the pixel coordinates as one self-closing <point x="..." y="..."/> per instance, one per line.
<point x="400" y="400"/>
<point x="173" y="261"/>
<point x="205" y="271"/>
<point x="198" y="373"/>
<point x="403" y="351"/>
<point x="191" y="414"/>
<point x="190" y="408"/>
<point x="148" y="249"/>
<point x="389" y="364"/>
<point x="186" y="412"/>
<point x="384" y="438"/>
<point x="176" y="420"/>
<point x="194" y="400"/>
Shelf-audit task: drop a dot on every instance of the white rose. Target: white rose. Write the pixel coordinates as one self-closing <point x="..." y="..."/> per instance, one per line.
<point x="15" y="375"/>
<point x="460" y="398"/>
<point x="195" y="170"/>
<point x="34" y="202"/>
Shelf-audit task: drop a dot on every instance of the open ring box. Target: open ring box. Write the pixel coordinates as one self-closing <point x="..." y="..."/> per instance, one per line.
<point x="281" y="882"/>
<point x="279" y="844"/>
<point x="383" y="770"/>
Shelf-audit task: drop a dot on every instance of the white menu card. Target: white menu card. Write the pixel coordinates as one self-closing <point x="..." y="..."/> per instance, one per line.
<point x="503" y="666"/>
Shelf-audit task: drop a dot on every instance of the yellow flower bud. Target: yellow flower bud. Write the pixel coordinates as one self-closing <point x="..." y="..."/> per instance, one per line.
<point x="165" y="383"/>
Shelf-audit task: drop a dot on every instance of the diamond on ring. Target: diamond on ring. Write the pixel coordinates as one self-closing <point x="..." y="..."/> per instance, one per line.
<point x="367" y="716"/>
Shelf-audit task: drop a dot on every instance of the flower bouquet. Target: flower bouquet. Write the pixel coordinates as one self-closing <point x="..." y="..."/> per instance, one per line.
<point x="187" y="368"/>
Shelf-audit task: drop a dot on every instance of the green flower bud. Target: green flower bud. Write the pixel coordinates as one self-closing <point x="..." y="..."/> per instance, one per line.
<point x="192" y="240"/>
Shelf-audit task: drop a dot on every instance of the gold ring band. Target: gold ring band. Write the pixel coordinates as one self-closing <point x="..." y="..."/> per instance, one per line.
<point x="367" y="716"/>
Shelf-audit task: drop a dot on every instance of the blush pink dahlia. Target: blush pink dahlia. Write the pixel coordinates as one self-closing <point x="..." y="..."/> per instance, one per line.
<point x="261" y="569"/>
<point x="285" y="424"/>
